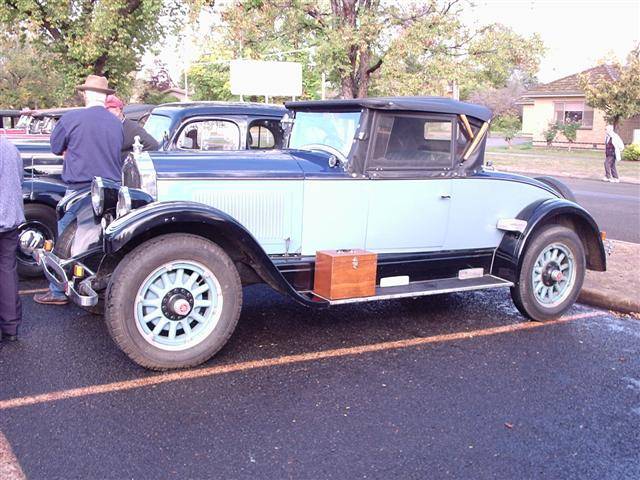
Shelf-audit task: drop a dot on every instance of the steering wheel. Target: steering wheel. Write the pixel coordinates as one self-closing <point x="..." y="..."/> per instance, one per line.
<point x="326" y="148"/>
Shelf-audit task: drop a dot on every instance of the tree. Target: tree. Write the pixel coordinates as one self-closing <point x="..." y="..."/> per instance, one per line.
<point x="570" y="131"/>
<point x="501" y="101"/>
<point x="88" y="37"/>
<point x="27" y="79"/>
<point x="510" y="128"/>
<point x="551" y="132"/>
<point x="375" y="46"/>
<point x="618" y="97"/>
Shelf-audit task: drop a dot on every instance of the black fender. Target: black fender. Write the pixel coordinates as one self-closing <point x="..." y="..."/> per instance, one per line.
<point x="510" y="253"/>
<point x="161" y="218"/>
<point x="47" y="192"/>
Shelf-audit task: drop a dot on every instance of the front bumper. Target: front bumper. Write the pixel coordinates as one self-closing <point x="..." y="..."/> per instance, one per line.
<point x="58" y="272"/>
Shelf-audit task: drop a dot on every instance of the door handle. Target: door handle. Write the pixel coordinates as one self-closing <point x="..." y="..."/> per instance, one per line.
<point x="445" y="196"/>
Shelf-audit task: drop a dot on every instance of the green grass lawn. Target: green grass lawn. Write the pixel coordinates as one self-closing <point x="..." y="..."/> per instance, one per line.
<point x="549" y="151"/>
<point x="574" y="164"/>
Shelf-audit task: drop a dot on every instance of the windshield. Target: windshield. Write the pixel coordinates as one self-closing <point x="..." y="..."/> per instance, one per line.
<point x="156" y="125"/>
<point x="335" y="129"/>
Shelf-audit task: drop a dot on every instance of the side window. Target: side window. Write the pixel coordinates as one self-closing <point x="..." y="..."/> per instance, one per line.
<point x="209" y="135"/>
<point x="410" y="142"/>
<point x="264" y="134"/>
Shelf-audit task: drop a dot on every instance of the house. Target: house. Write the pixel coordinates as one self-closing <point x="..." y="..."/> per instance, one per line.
<point x="179" y="93"/>
<point x="563" y="100"/>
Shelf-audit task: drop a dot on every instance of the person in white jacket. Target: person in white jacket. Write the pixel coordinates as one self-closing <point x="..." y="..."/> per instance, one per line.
<point x="613" y="146"/>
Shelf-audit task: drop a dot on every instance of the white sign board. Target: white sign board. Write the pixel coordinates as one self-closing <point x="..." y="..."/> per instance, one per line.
<point x="272" y="79"/>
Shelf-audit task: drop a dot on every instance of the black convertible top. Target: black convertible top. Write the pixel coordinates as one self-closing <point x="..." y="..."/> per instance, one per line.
<point x="416" y="104"/>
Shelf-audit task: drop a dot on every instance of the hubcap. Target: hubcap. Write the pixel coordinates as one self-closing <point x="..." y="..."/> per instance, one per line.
<point x="553" y="275"/>
<point x="178" y="305"/>
<point x="31" y="235"/>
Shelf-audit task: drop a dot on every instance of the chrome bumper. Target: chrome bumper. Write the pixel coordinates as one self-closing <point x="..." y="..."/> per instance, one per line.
<point x="78" y="290"/>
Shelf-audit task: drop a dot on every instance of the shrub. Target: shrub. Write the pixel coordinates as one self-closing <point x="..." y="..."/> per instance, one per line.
<point x="510" y="126"/>
<point x="550" y="133"/>
<point x="570" y="131"/>
<point x="632" y="152"/>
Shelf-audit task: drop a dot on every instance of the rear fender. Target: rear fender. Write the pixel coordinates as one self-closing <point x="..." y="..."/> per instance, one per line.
<point x="510" y="253"/>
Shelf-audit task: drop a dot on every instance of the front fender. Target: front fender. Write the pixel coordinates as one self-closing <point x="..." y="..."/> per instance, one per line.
<point x="510" y="253"/>
<point x="161" y="218"/>
<point x="42" y="191"/>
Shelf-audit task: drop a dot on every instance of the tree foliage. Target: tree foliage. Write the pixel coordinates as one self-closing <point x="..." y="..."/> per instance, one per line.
<point x="87" y="37"/>
<point x="377" y="47"/>
<point x="501" y="101"/>
<point x="619" y="98"/>
<point x="27" y="79"/>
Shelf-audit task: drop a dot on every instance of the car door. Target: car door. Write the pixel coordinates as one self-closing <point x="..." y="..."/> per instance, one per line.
<point x="409" y="186"/>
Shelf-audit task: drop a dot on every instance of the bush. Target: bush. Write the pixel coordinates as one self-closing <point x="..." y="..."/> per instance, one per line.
<point x="632" y="152"/>
<point x="550" y="133"/>
<point x="570" y="131"/>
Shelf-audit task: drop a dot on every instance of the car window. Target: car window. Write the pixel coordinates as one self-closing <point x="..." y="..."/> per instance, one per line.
<point x="210" y="135"/>
<point x="264" y="134"/>
<point x="410" y="142"/>
<point x="157" y="125"/>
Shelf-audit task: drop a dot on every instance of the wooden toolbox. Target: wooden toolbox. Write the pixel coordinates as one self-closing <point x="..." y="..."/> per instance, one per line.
<point x="345" y="274"/>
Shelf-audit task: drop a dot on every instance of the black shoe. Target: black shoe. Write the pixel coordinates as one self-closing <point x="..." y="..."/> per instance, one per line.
<point x="9" y="338"/>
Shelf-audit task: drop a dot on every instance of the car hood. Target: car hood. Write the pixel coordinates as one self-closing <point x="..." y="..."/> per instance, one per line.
<point x="272" y="164"/>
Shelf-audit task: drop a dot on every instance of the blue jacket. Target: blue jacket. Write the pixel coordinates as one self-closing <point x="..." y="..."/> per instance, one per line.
<point x="91" y="140"/>
<point x="11" y="177"/>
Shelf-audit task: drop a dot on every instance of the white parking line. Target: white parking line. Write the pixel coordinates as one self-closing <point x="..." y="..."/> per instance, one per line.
<point x="9" y="467"/>
<point x="278" y="361"/>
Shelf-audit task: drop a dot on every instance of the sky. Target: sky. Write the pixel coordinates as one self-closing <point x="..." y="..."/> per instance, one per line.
<point x="578" y="34"/>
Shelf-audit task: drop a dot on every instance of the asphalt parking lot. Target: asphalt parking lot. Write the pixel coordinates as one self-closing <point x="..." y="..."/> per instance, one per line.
<point x="454" y="386"/>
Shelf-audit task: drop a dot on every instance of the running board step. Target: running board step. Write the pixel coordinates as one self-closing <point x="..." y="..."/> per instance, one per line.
<point x="420" y="289"/>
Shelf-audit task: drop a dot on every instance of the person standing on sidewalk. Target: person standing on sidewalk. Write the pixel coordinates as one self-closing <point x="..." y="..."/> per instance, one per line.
<point x="11" y="215"/>
<point x="130" y="128"/>
<point x="90" y="141"/>
<point x="613" y="153"/>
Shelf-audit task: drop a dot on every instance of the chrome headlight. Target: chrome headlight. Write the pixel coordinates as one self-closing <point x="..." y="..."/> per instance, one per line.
<point x="124" y="202"/>
<point x="97" y="196"/>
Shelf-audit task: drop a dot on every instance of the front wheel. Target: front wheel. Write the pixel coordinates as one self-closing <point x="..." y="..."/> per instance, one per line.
<point x="173" y="302"/>
<point x="552" y="274"/>
<point x="41" y="222"/>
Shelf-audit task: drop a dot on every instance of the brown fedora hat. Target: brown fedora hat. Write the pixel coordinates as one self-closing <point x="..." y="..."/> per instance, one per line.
<point x="96" y="83"/>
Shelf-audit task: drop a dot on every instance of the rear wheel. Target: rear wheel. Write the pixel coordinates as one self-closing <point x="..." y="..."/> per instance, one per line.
<point x="173" y="302"/>
<point x="552" y="274"/>
<point x="41" y="222"/>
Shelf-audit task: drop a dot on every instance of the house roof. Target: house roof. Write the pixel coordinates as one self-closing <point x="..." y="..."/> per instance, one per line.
<point x="570" y="86"/>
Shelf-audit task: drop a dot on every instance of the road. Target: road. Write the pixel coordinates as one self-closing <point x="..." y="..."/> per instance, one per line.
<point x="455" y="386"/>
<point x="615" y="206"/>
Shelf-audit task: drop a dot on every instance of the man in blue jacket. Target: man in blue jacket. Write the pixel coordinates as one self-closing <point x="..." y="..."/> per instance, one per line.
<point x="11" y="215"/>
<point x="90" y="141"/>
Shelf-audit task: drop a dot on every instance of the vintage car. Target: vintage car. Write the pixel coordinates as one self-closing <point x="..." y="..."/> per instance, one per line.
<point x="188" y="127"/>
<point x="401" y="179"/>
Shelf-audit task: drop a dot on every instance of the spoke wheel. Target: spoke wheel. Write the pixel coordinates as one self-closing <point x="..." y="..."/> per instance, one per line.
<point x="178" y="305"/>
<point x="173" y="301"/>
<point x="551" y="273"/>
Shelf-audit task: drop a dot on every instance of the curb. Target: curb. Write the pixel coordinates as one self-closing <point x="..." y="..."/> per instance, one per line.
<point x="596" y="298"/>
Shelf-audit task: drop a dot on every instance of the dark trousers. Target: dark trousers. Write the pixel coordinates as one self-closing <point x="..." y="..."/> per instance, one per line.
<point x="610" y="169"/>
<point x="10" y="305"/>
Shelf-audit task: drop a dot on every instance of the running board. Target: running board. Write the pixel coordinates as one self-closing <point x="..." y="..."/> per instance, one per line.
<point x="420" y="289"/>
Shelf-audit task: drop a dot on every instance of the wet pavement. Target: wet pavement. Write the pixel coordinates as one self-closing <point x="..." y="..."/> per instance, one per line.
<point x="468" y="390"/>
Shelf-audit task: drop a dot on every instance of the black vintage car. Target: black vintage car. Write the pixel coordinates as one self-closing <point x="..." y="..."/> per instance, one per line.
<point x="185" y="127"/>
<point x="400" y="178"/>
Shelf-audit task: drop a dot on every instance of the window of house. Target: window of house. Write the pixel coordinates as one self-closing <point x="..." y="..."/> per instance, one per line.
<point x="210" y="135"/>
<point x="410" y="142"/>
<point x="574" y="112"/>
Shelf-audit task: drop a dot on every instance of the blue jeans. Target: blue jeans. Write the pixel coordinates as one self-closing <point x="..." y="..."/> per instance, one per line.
<point x="63" y="223"/>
